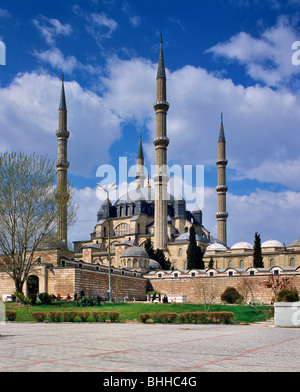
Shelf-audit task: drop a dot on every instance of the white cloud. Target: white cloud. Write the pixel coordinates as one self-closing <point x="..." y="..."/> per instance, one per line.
<point x="100" y="26"/>
<point x="50" y="28"/>
<point x="267" y="58"/>
<point x="31" y="127"/>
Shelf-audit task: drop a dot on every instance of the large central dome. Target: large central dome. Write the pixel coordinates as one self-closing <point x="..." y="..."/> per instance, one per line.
<point x="146" y="194"/>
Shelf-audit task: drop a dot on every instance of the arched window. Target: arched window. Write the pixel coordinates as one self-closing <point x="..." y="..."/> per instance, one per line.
<point x="272" y="263"/>
<point x="242" y="264"/>
<point x="179" y="252"/>
<point x="230" y="264"/>
<point x="292" y="262"/>
<point x="122" y="229"/>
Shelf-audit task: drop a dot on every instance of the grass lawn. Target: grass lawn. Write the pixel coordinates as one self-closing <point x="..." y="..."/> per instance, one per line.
<point x="130" y="311"/>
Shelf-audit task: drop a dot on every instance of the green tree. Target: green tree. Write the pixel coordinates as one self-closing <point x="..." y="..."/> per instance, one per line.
<point x="149" y="248"/>
<point x="257" y="254"/>
<point x="28" y="212"/>
<point x="211" y="263"/>
<point x="160" y="257"/>
<point x="194" y="252"/>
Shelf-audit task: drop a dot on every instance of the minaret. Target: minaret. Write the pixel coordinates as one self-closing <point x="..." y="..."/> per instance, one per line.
<point x="161" y="143"/>
<point x="62" y="167"/>
<point x="140" y="176"/>
<point x="222" y="188"/>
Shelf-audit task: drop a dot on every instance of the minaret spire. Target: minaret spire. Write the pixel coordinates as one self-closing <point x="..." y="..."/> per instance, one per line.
<point x="140" y="177"/>
<point x="62" y="165"/>
<point x="222" y="188"/>
<point x="161" y="143"/>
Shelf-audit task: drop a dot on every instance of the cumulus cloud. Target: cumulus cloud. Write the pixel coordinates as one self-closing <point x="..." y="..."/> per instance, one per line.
<point x="31" y="127"/>
<point x="267" y="58"/>
<point x="50" y="28"/>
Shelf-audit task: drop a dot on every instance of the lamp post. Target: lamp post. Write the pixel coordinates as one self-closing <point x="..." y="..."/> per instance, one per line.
<point x="112" y="187"/>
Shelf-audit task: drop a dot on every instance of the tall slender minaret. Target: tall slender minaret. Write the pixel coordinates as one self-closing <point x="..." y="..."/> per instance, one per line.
<point x="161" y="143"/>
<point x="140" y="176"/>
<point x="222" y="188"/>
<point x="62" y="165"/>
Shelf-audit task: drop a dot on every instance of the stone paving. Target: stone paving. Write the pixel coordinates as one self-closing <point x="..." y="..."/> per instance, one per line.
<point x="130" y="347"/>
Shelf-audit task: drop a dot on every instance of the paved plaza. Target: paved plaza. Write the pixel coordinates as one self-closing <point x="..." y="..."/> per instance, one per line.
<point x="135" y="347"/>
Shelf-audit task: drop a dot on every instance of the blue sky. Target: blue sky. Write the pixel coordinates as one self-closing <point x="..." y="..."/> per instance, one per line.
<point x="229" y="56"/>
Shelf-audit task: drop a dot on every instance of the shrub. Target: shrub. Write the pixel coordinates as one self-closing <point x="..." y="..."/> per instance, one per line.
<point x="170" y="317"/>
<point x="39" y="316"/>
<point x="86" y="301"/>
<point x="69" y="316"/>
<point x="11" y="315"/>
<point x="288" y="295"/>
<point x="103" y="316"/>
<point x="231" y="296"/>
<point x="33" y="298"/>
<point x="55" y="316"/>
<point x="83" y="315"/>
<point x="144" y="317"/>
<point x="113" y="316"/>
<point x="45" y="298"/>
<point x="182" y="317"/>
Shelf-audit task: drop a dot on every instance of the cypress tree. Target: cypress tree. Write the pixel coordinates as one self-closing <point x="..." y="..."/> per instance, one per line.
<point x="257" y="254"/>
<point x="194" y="252"/>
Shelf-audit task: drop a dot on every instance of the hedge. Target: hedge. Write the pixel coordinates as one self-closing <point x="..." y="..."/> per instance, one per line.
<point x="71" y="316"/>
<point x="189" y="317"/>
<point x="11" y="315"/>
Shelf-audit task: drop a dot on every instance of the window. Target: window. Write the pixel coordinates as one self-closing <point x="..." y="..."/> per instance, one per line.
<point x="176" y="275"/>
<point x="251" y="273"/>
<point x="242" y="264"/>
<point x="230" y="264"/>
<point x="159" y="275"/>
<point x="272" y="263"/>
<point x="179" y="252"/>
<point x="193" y="274"/>
<point x="122" y="229"/>
<point x="292" y="262"/>
<point x="230" y="273"/>
<point x="276" y="272"/>
<point x="211" y="274"/>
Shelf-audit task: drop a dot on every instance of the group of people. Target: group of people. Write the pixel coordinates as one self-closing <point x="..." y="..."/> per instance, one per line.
<point x="164" y="299"/>
<point x="68" y="297"/>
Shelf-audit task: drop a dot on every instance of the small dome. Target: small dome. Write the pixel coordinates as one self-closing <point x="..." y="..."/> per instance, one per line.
<point x="135" y="251"/>
<point x="272" y="244"/>
<point x="186" y="237"/>
<point x="242" y="245"/>
<point x="216" y="247"/>
<point x="153" y="264"/>
<point x="295" y="242"/>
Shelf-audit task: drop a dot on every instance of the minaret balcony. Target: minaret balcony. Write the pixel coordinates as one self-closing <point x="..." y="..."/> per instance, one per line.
<point x="222" y="215"/>
<point x="222" y="188"/>
<point x="161" y="141"/>
<point x="62" y="133"/>
<point x="62" y="164"/>
<point x="221" y="162"/>
<point x="161" y="105"/>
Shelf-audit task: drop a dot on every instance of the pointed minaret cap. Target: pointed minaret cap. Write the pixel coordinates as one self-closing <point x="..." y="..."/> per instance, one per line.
<point x="140" y="153"/>
<point x="62" y="103"/>
<point x="161" y="73"/>
<point x="222" y="134"/>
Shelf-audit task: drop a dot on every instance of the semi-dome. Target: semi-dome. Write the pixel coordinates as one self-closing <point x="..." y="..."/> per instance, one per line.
<point x="153" y="264"/>
<point x="242" y="245"/>
<point x="295" y="242"/>
<point x="135" y="251"/>
<point x="272" y="244"/>
<point x="216" y="247"/>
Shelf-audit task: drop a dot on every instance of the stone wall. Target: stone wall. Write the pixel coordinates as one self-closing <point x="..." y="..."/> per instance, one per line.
<point x="197" y="289"/>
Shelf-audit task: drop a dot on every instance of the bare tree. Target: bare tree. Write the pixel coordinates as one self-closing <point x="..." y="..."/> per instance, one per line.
<point x="28" y="212"/>
<point x="209" y="291"/>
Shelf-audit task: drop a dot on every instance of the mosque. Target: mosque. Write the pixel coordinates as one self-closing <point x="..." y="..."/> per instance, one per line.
<point x="148" y="212"/>
<point x="121" y="229"/>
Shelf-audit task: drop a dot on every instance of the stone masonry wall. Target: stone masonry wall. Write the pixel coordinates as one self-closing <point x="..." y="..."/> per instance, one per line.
<point x="197" y="289"/>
